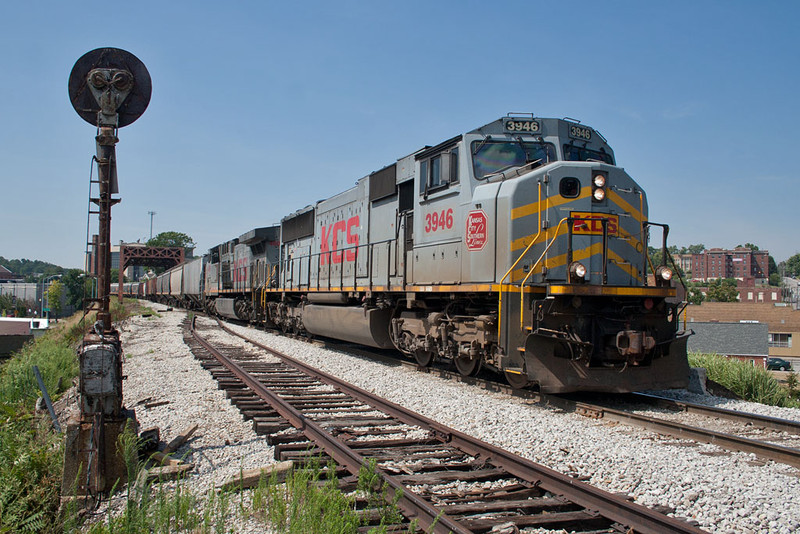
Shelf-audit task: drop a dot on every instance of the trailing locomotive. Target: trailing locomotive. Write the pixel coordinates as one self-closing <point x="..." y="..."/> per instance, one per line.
<point x="519" y="246"/>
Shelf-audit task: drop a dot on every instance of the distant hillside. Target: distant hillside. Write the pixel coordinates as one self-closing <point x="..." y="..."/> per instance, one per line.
<point x="29" y="267"/>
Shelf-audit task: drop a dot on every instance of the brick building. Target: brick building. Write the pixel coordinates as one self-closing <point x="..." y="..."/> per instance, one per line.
<point x="8" y="276"/>
<point x="744" y="264"/>
<point x="783" y="322"/>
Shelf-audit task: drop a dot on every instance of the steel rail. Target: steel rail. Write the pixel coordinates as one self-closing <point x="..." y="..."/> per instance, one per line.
<point x="636" y="517"/>
<point x="764" y="449"/>
<point x="731" y="442"/>
<point x="771" y="423"/>
<point x="414" y="507"/>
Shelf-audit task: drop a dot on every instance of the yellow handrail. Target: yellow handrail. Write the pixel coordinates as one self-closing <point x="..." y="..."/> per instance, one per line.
<point x="533" y="268"/>
<point x="500" y="298"/>
<point x="642" y="239"/>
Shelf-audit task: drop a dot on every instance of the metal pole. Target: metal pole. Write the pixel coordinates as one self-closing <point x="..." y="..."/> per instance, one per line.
<point x="46" y="398"/>
<point x="106" y="165"/>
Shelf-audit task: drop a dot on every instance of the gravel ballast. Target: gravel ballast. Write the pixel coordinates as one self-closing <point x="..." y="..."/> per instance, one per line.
<point x="724" y="492"/>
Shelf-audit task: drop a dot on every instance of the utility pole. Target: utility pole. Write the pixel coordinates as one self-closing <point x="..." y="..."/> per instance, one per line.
<point x="152" y="213"/>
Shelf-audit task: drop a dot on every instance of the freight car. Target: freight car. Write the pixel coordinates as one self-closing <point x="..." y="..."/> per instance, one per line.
<point x="519" y="246"/>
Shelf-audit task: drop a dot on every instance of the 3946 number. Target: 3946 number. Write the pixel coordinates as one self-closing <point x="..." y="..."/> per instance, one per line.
<point x="439" y="220"/>
<point x="580" y="132"/>
<point x="522" y="126"/>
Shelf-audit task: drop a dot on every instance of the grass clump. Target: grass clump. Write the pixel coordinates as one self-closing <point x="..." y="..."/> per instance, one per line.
<point x="57" y="362"/>
<point x="31" y="454"/>
<point x="309" y="503"/>
<point x="30" y="471"/>
<point x="304" y="505"/>
<point x="751" y="383"/>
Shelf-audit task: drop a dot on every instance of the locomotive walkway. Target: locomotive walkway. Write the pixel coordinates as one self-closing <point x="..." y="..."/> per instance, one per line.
<point x="415" y="456"/>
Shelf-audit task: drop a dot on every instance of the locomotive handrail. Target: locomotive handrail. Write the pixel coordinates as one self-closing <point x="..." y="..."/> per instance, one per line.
<point x="664" y="251"/>
<point x="604" y="224"/>
<point x="289" y="269"/>
<point x="510" y="269"/>
<point x="533" y="268"/>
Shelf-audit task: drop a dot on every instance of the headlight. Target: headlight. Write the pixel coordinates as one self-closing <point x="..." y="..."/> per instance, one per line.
<point x="577" y="271"/>
<point x="599" y="182"/>
<point x="663" y="275"/>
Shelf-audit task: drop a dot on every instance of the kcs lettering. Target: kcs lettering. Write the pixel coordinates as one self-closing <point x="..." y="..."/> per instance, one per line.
<point x="330" y="251"/>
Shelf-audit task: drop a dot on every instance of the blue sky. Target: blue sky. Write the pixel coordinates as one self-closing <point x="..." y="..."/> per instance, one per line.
<point x="260" y="108"/>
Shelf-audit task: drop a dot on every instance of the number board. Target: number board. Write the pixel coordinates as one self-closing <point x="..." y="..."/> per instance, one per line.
<point x="580" y="132"/>
<point x="522" y="125"/>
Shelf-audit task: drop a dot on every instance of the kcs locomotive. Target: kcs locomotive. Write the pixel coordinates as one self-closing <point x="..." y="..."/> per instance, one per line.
<point x="519" y="246"/>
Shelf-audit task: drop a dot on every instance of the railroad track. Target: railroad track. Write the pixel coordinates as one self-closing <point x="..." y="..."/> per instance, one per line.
<point x="768" y="438"/>
<point x="447" y="481"/>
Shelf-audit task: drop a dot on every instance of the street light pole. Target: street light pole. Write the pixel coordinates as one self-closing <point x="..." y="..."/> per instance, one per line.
<point x="152" y="213"/>
<point x="45" y="288"/>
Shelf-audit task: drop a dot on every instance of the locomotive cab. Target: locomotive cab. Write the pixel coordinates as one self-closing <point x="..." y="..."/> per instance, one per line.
<point x="572" y="233"/>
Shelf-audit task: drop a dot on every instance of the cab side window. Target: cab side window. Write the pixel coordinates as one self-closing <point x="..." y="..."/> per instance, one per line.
<point x="438" y="171"/>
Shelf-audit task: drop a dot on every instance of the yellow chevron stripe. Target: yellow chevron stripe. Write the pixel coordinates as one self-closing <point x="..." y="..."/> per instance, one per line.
<point x="555" y="201"/>
<point x="582" y="254"/>
<point x="624" y="205"/>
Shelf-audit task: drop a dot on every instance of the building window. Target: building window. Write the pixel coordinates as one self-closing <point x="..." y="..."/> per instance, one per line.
<point x="780" y="340"/>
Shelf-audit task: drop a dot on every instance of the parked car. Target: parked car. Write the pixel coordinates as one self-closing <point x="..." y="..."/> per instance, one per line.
<point x="778" y="364"/>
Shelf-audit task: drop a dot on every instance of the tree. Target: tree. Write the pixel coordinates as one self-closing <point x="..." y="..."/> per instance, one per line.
<point x="77" y="285"/>
<point x="694" y="293"/>
<point x="775" y="279"/>
<point x="54" y="294"/>
<point x="695" y="249"/>
<point x="722" y="290"/>
<point x="172" y="239"/>
<point x="656" y="258"/>
<point x="7" y="305"/>
<point x="115" y="276"/>
<point x="793" y="265"/>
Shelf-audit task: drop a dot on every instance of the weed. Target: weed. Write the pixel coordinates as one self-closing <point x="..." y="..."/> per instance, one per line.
<point x="30" y="468"/>
<point x="751" y="383"/>
<point x="791" y="385"/>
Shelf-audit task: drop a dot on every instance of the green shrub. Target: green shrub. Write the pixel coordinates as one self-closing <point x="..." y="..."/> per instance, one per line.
<point x="57" y="362"/>
<point x="31" y="454"/>
<point x="752" y="383"/>
<point x="30" y="471"/>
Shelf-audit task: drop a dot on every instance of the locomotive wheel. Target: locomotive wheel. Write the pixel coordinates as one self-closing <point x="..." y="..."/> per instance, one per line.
<point x="468" y="366"/>
<point x="517" y="380"/>
<point x="424" y="357"/>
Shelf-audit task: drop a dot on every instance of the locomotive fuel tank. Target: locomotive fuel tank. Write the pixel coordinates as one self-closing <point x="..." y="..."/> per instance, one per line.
<point x="366" y="326"/>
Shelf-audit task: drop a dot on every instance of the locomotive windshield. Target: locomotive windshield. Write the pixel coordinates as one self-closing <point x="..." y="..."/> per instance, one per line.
<point x="575" y="153"/>
<point x="493" y="156"/>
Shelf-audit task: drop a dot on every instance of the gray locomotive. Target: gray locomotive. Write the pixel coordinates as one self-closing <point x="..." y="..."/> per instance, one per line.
<point x="519" y="246"/>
